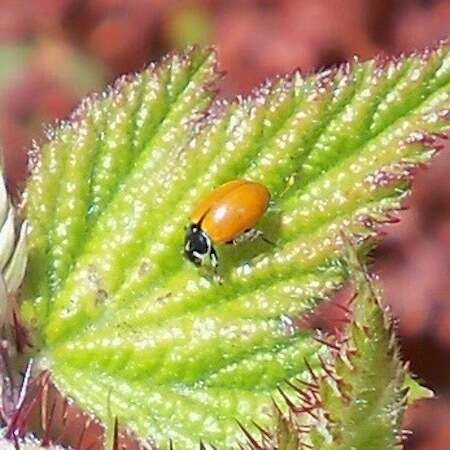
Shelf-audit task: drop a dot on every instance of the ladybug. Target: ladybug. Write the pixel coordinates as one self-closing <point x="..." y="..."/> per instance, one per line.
<point x="226" y="216"/>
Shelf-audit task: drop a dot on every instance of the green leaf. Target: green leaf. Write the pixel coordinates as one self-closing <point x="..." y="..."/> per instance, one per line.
<point x="123" y="321"/>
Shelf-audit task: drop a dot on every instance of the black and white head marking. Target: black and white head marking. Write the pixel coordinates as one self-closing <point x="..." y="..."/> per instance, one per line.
<point x="198" y="246"/>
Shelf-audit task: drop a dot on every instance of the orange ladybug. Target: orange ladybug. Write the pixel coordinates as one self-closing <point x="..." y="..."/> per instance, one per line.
<point x="227" y="215"/>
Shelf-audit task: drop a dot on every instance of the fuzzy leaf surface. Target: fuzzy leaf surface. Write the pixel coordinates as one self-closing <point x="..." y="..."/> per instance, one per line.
<point x="127" y="326"/>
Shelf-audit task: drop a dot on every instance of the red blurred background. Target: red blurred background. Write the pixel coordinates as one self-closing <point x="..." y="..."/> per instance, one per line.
<point x="52" y="52"/>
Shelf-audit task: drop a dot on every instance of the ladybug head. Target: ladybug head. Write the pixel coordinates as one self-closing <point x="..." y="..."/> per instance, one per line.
<point x="197" y="245"/>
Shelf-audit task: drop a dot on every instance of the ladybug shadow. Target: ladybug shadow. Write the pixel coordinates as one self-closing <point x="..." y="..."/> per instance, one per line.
<point x="234" y="255"/>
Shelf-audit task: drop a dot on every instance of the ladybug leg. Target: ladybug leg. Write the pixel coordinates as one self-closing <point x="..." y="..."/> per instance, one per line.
<point x="251" y="235"/>
<point x="267" y="241"/>
<point x="214" y="258"/>
<point x="248" y="235"/>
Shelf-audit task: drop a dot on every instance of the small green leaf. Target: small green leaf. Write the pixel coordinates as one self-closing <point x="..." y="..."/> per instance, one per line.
<point x="357" y="400"/>
<point x="125" y="324"/>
